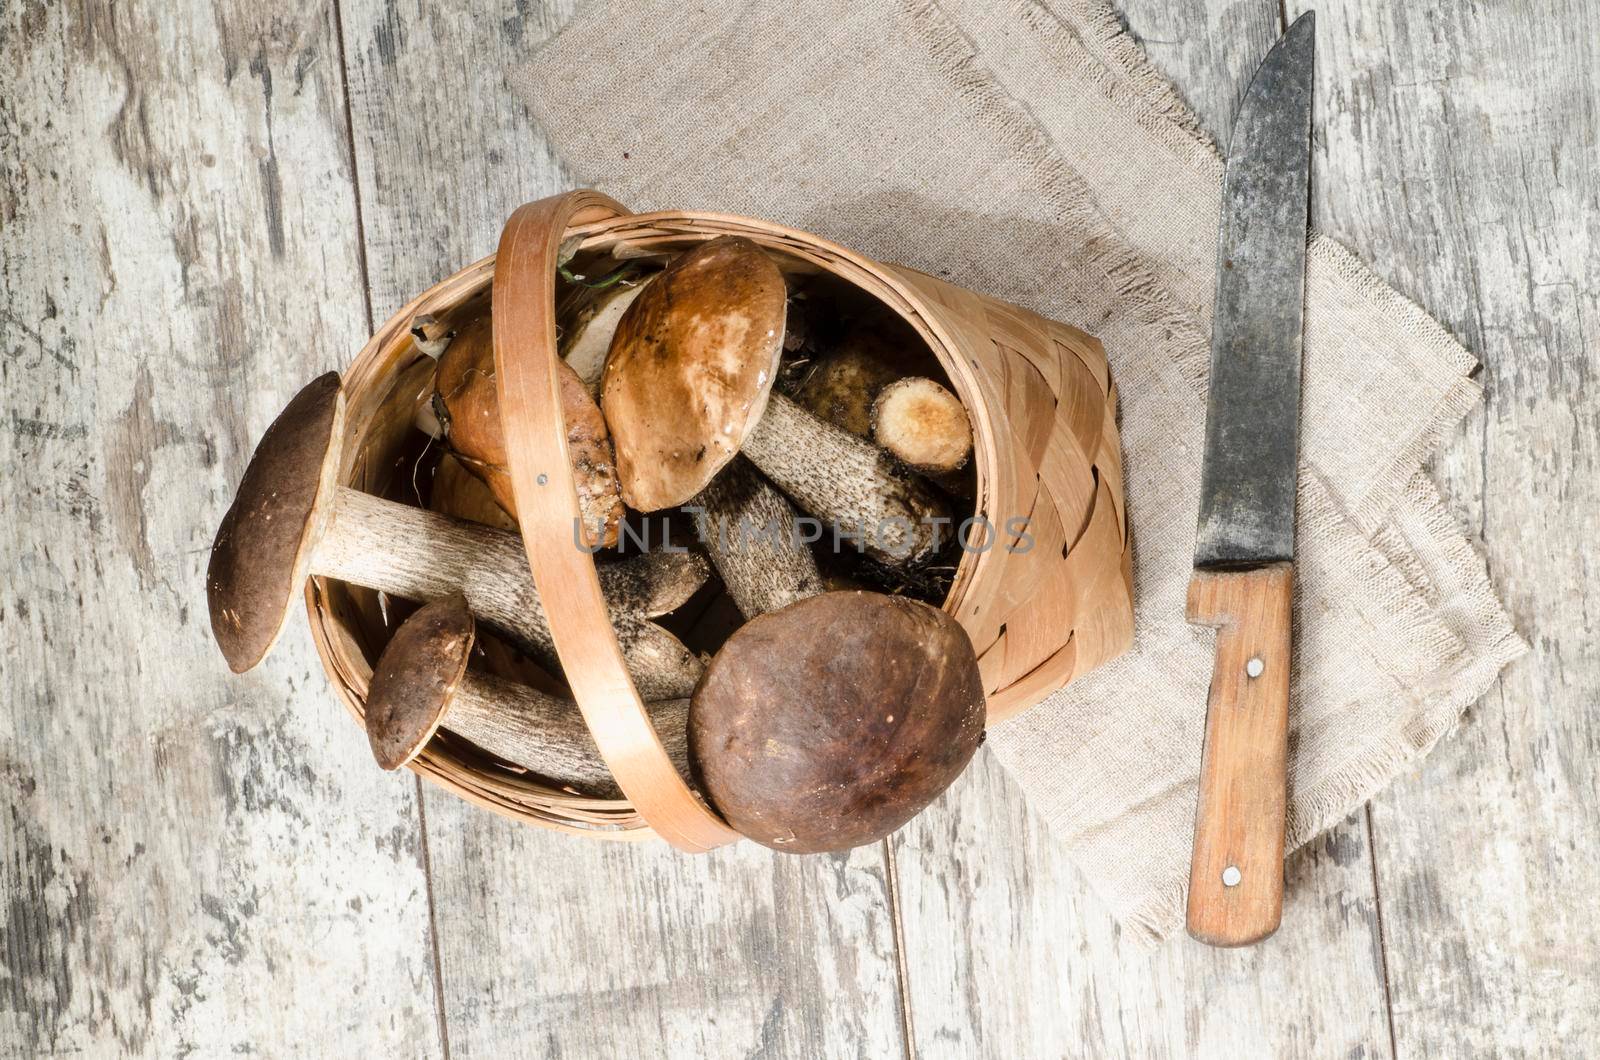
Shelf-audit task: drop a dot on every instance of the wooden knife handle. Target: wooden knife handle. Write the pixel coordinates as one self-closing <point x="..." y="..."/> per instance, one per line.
<point x="1236" y="873"/>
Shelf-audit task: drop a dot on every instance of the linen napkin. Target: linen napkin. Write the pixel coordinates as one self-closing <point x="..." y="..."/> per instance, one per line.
<point x="1027" y="150"/>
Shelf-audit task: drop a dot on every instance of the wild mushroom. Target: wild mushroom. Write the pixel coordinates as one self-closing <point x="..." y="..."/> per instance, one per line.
<point x="842" y="383"/>
<point x="291" y="519"/>
<point x="467" y="408"/>
<point x="923" y="424"/>
<point x="422" y="682"/>
<point x="748" y="529"/>
<point x="830" y="718"/>
<point x="688" y="384"/>
<point x="833" y="721"/>
<point x="592" y="323"/>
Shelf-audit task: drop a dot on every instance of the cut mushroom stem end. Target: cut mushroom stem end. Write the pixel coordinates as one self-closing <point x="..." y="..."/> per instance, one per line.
<point x="923" y="424"/>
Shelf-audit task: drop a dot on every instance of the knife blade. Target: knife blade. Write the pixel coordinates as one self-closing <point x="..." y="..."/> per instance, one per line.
<point x="1244" y="542"/>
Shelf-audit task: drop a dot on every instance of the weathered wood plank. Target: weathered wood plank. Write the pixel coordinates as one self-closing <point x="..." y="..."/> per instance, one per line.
<point x="1207" y="48"/>
<point x="1007" y="951"/>
<point x="1009" y="954"/>
<point x="190" y="863"/>
<point x="1458" y="151"/>
<point x="586" y="948"/>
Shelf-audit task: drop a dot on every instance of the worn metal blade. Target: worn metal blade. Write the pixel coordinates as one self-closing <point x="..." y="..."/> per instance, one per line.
<point x="1247" y="485"/>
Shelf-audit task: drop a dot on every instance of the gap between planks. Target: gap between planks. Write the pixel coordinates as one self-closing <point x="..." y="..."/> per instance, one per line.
<point x="441" y="1018"/>
<point x="891" y="874"/>
<point x="1366" y="811"/>
<point x="1383" y="951"/>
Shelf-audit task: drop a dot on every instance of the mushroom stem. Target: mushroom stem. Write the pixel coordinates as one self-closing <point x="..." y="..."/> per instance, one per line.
<point x="923" y="424"/>
<point x="848" y="482"/>
<point x="749" y="530"/>
<point x="421" y="555"/>
<point x="548" y="735"/>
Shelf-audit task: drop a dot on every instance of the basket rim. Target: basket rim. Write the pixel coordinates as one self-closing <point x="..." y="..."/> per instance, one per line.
<point x="391" y="351"/>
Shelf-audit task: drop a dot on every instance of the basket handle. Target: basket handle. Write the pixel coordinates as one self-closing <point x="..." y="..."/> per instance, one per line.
<point x="523" y="311"/>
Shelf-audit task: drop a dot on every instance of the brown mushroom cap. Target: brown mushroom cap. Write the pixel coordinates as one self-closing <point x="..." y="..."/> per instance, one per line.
<point x="466" y="387"/>
<point x="263" y="548"/>
<point x="834" y="721"/>
<point x="690" y="368"/>
<point x="416" y="678"/>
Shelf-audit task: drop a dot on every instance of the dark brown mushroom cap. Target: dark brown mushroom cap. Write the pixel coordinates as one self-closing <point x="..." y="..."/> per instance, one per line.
<point x="263" y="547"/>
<point x="834" y="721"/>
<point x="690" y="368"/>
<point x="416" y="678"/>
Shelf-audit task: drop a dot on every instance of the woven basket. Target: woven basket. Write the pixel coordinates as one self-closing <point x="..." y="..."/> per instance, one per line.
<point x="1043" y="412"/>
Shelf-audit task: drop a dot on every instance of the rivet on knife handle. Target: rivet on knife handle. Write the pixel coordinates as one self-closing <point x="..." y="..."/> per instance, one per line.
<point x="1236" y="875"/>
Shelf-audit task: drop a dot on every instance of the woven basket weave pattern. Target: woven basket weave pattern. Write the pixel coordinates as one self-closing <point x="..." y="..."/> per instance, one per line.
<point x="1043" y="409"/>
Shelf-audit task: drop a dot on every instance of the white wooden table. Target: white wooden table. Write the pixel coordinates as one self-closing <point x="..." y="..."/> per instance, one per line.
<point x="203" y="204"/>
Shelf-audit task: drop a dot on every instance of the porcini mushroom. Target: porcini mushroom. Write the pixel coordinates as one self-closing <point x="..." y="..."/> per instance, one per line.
<point x="291" y="519"/>
<point x="923" y="424"/>
<point x="833" y="721"/>
<point x="688" y="384"/>
<point x="468" y="411"/>
<point x="422" y="682"/>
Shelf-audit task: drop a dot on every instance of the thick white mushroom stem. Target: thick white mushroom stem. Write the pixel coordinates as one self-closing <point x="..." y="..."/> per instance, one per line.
<point x="749" y="530"/>
<point x="421" y="555"/>
<point x="548" y="735"/>
<point x="863" y="493"/>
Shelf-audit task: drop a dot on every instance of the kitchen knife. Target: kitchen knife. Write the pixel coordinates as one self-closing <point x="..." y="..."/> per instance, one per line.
<point x="1244" y="549"/>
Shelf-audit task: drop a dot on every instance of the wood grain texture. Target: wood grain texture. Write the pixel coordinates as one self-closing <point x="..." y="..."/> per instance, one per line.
<point x="549" y="944"/>
<point x="1457" y="151"/>
<point x="188" y="864"/>
<point x="180" y="233"/>
<point x="1007" y="951"/>
<point x="1236" y="873"/>
<point x="1008" y="954"/>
